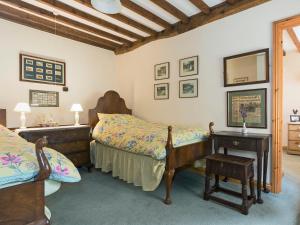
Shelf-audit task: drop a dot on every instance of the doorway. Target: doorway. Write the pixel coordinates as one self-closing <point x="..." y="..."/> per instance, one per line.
<point x="277" y="99"/>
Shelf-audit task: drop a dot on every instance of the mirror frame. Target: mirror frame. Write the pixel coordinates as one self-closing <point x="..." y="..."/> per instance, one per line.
<point x="265" y="50"/>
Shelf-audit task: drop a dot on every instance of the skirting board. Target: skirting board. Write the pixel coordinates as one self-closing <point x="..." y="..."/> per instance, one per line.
<point x="201" y="171"/>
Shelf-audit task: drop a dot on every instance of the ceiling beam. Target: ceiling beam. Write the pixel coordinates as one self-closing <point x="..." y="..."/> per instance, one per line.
<point x="27" y="19"/>
<point x="231" y="1"/>
<point x="122" y="18"/>
<point x="67" y="21"/>
<point x="217" y="12"/>
<point x="201" y="5"/>
<point x="171" y="9"/>
<point x="75" y="12"/>
<point x="145" y="13"/>
<point x="294" y="38"/>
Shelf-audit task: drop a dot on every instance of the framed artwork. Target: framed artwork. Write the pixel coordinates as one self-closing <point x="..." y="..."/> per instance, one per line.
<point x="247" y="68"/>
<point x="38" y="98"/>
<point x="188" y="66"/>
<point x="162" y="71"/>
<point x="294" y="118"/>
<point x="253" y="102"/>
<point x="161" y="91"/>
<point x="42" y="70"/>
<point x="188" y="88"/>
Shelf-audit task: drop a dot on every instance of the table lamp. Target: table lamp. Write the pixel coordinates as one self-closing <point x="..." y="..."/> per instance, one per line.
<point x="23" y="108"/>
<point x="76" y="108"/>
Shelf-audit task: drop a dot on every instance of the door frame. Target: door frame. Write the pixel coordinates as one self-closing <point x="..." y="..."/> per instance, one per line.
<point x="277" y="94"/>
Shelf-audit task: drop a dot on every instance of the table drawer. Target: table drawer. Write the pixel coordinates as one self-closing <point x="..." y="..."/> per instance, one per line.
<point x="295" y="127"/>
<point x="294" y="145"/>
<point x="237" y="143"/>
<point x="294" y="135"/>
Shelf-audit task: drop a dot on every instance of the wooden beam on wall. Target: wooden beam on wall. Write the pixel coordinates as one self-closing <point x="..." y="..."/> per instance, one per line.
<point x="294" y="38"/>
<point x="171" y="9"/>
<point x="201" y="5"/>
<point x="75" y="12"/>
<point x="27" y="19"/>
<point x="122" y="18"/>
<point x="67" y="21"/>
<point x="217" y="12"/>
<point x="145" y="13"/>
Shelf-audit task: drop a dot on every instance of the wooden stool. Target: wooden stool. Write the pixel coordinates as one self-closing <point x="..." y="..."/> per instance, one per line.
<point x="236" y="167"/>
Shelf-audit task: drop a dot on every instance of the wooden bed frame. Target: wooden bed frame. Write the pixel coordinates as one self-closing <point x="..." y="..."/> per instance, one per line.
<point x="24" y="204"/>
<point x="176" y="159"/>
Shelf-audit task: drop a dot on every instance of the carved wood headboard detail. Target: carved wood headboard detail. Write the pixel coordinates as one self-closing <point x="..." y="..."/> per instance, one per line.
<point x="110" y="103"/>
<point x="3" y="117"/>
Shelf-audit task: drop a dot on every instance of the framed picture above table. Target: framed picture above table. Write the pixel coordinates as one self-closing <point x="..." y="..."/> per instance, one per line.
<point x="161" y="91"/>
<point x="253" y="102"/>
<point x="188" y="88"/>
<point x="42" y="70"/>
<point x="162" y="71"/>
<point x="188" y="66"/>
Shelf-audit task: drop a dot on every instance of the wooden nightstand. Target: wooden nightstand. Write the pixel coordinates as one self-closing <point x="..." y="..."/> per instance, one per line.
<point x="72" y="141"/>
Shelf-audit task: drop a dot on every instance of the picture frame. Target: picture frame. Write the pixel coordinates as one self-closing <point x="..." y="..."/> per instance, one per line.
<point x="39" y="98"/>
<point x="188" y="66"/>
<point x="162" y="71"/>
<point x="247" y="68"/>
<point x="161" y="91"/>
<point x="188" y="88"/>
<point x="42" y="70"/>
<point x="294" y="118"/>
<point x="255" y="102"/>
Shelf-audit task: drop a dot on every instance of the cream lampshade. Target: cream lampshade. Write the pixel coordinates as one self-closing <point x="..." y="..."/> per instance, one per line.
<point x="23" y="108"/>
<point x="107" y="6"/>
<point x="76" y="108"/>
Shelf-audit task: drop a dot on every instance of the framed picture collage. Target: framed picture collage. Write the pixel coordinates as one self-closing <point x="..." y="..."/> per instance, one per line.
<point x="188" y="88"/>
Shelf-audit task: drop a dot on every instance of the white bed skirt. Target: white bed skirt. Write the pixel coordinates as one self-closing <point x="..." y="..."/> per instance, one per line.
<point x="140" y="170"/>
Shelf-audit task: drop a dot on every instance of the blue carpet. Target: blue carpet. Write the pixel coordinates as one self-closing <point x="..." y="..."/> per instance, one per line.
<point x="100" y="199"/>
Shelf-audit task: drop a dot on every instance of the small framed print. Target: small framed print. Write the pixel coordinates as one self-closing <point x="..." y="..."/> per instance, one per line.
<point x="294" y="118"/>
<point x="161" y="91"/>
<point x="162" y="71"/>
<point x="188" y="88"/>
<point x="188" y="66"/>
<point x="38" y="98"/>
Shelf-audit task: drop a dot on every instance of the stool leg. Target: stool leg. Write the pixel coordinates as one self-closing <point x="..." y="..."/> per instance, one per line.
<point x="207" y="187"/>
<point x="252" y="192"/>
<point x="245" y="198"/>
<point x="217" y="183"/>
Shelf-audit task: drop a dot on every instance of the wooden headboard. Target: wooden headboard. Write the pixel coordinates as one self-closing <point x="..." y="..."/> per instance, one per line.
<point x="110" y="103"/>
<point x="3" y="117"/>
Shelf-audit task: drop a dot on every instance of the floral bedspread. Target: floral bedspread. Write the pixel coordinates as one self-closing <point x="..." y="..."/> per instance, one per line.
<point x="18" y="161"/>
<point x="131" y="134"/>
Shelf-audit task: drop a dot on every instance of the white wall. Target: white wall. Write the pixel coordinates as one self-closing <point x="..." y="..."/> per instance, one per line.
<point x="247" y="31"/>
<point x="291" y="89"/>
<point x="90" y="71"/>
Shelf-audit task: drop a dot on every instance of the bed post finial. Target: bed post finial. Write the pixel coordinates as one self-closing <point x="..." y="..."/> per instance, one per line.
<point x="169" y="141"/>
<point x="45" y="168"/>
<point x="211" y="129"/>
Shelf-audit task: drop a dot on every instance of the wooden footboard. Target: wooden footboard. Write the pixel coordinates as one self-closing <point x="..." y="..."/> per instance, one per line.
<point x="24" y="204"/>
<point x="183" y="156"/>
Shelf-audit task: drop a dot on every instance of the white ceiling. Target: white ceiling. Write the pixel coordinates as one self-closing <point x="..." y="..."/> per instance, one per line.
<point x="184" y="5"/>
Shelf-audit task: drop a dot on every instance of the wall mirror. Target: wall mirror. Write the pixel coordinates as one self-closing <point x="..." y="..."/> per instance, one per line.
<point x="247" y="68"/>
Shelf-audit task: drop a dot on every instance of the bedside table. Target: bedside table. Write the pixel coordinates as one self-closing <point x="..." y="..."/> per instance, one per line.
<point x="72" y="141"/>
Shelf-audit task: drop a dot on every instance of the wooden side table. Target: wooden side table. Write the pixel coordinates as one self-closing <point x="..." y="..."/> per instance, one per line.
<point x="72" y="141"/>
<point x="258" y="143"/>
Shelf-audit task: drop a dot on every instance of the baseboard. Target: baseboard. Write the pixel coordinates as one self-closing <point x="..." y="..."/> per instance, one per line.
<point x="201" y="171"/>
